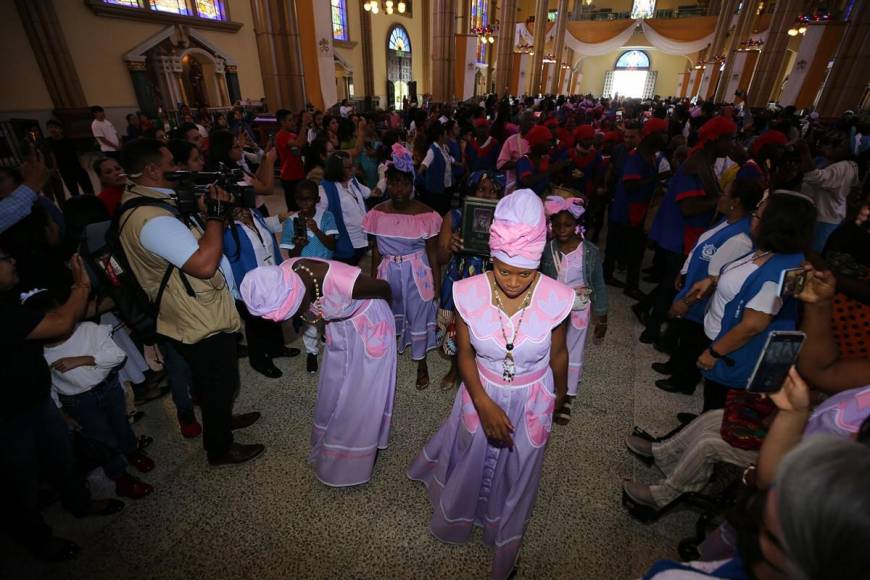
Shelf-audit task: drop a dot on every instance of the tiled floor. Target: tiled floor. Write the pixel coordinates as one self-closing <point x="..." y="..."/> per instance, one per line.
<point x="272" y="519"/>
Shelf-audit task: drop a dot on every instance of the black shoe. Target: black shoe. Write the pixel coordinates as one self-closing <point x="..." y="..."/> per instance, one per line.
<point x="648" y="337"/>
<point x="244" y="420"/>
<point x="614" y="282"/>
<point x="651" y="279"/>
<point x="268" y="370"/>
<point x="242" y="351"/>
<point x="311" y="363"/>
<point x="662" y="368"/>
<point x="285" y="352"/>
<point x="671" y="386"/>
<point x="238" y="453"/>
<point x="640" y="313"/>
<point x="57" y="550"/>
<point x="663" y="347"/>
<point x="634" y="293"/>
<point x="686" y="417"/>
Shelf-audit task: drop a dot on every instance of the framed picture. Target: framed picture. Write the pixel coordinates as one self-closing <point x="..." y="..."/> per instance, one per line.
<point x="477" y="214"/>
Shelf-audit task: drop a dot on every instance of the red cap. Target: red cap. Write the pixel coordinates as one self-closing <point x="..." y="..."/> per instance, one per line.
<point x="538" y="134"/>
<point x="773" y="136"/>
<point x="481" y="122"/>
<point x="613" y="137"/>
<point x="584" y="132"/>
<point x="654" y="125"/>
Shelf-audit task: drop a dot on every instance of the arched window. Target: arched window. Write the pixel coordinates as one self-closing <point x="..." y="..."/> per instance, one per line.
<point x="643" y="9"/>
<point x="398" y="40"/>
<point x="480" y="19"/>
<point x="208" y="9"/>
<point x="632" y="60"/>
<point x="339" y="20"/>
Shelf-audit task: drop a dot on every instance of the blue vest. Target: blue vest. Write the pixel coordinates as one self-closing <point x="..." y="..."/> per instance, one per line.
<point x="433" y="179"/>
<point x="737" y="376"/>
<point x="456" y="152"/>
<point x="699" y="262"/>
<point x="242" y="258"/>
<point x="343" y="245"/>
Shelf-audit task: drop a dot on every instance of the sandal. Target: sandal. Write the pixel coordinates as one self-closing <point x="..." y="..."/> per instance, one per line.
<point x="422" y="384"/>
<point x="563" y="415"/>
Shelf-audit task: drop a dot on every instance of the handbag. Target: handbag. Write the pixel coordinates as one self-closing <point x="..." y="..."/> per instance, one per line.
<point x="747" y="417"/>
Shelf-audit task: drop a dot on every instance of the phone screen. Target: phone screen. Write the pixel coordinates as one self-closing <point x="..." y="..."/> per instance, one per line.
<point x="779" y="354"/>
<point x="791" y="281"/>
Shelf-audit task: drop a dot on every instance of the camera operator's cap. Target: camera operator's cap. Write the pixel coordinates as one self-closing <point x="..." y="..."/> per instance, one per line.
<point x="519" y="230"/>
<point x="273" y="292"/>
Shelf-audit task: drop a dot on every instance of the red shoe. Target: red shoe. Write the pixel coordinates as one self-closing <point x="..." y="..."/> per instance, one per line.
<point x="140" y="461"/>
<point x="190" y="429"/>
<point x="128" y="486"/>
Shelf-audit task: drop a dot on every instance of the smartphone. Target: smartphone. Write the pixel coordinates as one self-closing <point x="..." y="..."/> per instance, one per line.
<point x="300" y="228"/>
<point x="780" y="352"/>
<point x="791" y="282"/>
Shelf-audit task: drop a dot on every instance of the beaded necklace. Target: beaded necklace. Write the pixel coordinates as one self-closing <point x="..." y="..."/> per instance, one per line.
<point x="316" y="303"/>
<point x="508" y="364"/>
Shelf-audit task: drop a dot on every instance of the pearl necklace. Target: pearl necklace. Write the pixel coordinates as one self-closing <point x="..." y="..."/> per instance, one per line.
<point x="508" y="364"/>
<point x="315" y="306"/>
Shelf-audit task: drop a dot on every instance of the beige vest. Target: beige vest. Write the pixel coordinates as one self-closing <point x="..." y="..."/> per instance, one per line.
<point x="182" y="317"/>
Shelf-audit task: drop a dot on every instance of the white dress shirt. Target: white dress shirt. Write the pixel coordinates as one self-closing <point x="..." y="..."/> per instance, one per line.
<point x="88" y="339"/>
<point x="353" y="196"/>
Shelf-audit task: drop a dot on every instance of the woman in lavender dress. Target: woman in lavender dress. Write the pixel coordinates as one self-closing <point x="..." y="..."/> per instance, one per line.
<point x="358" y="378"/>
<point x="405" y="255"/>
<point x="483" y="465"/>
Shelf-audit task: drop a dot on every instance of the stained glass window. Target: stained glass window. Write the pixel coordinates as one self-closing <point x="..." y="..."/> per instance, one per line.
<point x="339" y="20"/>
<point x="130" y="3"/>
<point x="172" y="6"/>
<point x="399" y="40"/>
<point x="632" y="60"/>
<point x="643" y="9"/>
<point x="211" y="9"/>
<point x="480" y="19"/>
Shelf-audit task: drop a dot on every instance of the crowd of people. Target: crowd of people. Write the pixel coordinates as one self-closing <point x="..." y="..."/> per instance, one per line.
<point x="168" y="276"/>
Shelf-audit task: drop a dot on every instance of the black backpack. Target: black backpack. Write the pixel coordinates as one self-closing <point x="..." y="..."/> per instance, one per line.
<point x="113" y="278"/>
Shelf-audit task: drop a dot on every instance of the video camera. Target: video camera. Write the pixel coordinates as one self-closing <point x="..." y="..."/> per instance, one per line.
<point x="192" y="184"/>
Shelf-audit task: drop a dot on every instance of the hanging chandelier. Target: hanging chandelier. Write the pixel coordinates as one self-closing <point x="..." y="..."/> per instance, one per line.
<point x="374" y="6"/>
<point x="820" y="16"/>
<point x="486" y="34"/>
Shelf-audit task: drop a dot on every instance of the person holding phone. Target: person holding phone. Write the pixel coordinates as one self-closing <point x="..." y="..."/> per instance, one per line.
<point x="745" y="303"/>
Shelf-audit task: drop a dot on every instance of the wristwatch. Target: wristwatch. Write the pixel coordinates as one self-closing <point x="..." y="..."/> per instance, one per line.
<point x="725" y="358"/>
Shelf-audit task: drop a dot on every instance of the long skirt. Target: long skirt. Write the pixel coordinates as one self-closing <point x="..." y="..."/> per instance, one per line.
<point x="576" y="339"/>
<point x="355" y="396"/>
<point x="472" y="482"/>
<point x="413" y="302"/>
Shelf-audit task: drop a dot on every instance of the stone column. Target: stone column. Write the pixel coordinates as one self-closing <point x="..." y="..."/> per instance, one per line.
<point x="773" y="55"/>
<point x="561" y="27"/>
<point x="365" y="44"/>
<point x="48" y="42"/>
<point x="741" y="33"/>
<point x="848" y="79"/>
<point x="540" y="41"/>
<point x="277" y="34"/>
<point x="443" y="49"/>
<point x="505" y="47"/>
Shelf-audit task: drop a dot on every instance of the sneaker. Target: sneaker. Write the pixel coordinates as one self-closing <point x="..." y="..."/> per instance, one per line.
<point x="128" y="486"/>
<point x="311" y="363"/>
<point x="190" y="428"/>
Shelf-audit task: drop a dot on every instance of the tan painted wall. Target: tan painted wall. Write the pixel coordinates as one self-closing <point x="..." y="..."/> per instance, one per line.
<point x="381" y="25"/>
<point x="668" y="66"/>
<point x="354" y="56"/>
<point x="27" y="90"/>
<point x="98" y="45"/>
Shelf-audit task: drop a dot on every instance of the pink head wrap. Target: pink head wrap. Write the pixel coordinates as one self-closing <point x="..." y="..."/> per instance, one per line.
<point x="519" y="230"/>
<point x="556" y="204"/>
<point x="272" y="292"/>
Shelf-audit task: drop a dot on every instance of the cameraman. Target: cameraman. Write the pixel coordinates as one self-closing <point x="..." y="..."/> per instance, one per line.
<point x="196" y="312"/>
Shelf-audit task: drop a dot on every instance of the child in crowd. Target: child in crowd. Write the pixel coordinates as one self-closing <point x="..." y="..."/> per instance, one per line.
<point x="406" y="231"/>
<point x="315" y="240"/>
<point x="575" y="262"/>
<point x="85" y="385"/>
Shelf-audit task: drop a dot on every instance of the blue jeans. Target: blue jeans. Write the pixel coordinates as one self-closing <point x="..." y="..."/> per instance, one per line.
<point x="102" y="414"/>
<point x="821" y="233"/>
<point x="180" y="381"/>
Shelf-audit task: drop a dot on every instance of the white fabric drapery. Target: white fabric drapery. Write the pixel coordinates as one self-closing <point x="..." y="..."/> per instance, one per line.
<point x="668" y="46"/>
<point x="599" y="48"/>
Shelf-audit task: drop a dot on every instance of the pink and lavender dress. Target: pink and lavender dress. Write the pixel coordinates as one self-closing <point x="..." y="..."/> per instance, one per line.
<point x="469" y="480"/>
<point x="401" y="241"/>
<point x="569" y="268"/>
<point x="357" y="381"/>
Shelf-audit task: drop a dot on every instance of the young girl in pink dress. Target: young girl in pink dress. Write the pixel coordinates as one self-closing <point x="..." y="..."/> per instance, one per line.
<point x="358" y="378"/>
<point x="575" y="262"/>
<point x="405" y="255"/>
<point x="483" y="465"/>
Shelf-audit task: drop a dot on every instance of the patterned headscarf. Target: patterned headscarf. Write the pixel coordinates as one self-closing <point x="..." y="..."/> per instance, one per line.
<point x="401" y="160"/>
<point x="272" y="292"/>
<point x="519" y="230"/>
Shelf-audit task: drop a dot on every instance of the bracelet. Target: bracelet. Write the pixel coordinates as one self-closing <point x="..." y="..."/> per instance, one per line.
<point x="713" y="352"/>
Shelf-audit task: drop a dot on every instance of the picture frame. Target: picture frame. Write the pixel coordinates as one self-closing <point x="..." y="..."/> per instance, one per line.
<point x="477" y="215"/>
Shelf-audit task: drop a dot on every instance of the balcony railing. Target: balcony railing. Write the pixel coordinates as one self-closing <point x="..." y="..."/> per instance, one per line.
<point x="607" y="14"/>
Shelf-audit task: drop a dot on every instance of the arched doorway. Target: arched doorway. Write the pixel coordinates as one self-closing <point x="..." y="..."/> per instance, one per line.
<point x="631" y="76"/>
<point x="398" y="65"/>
